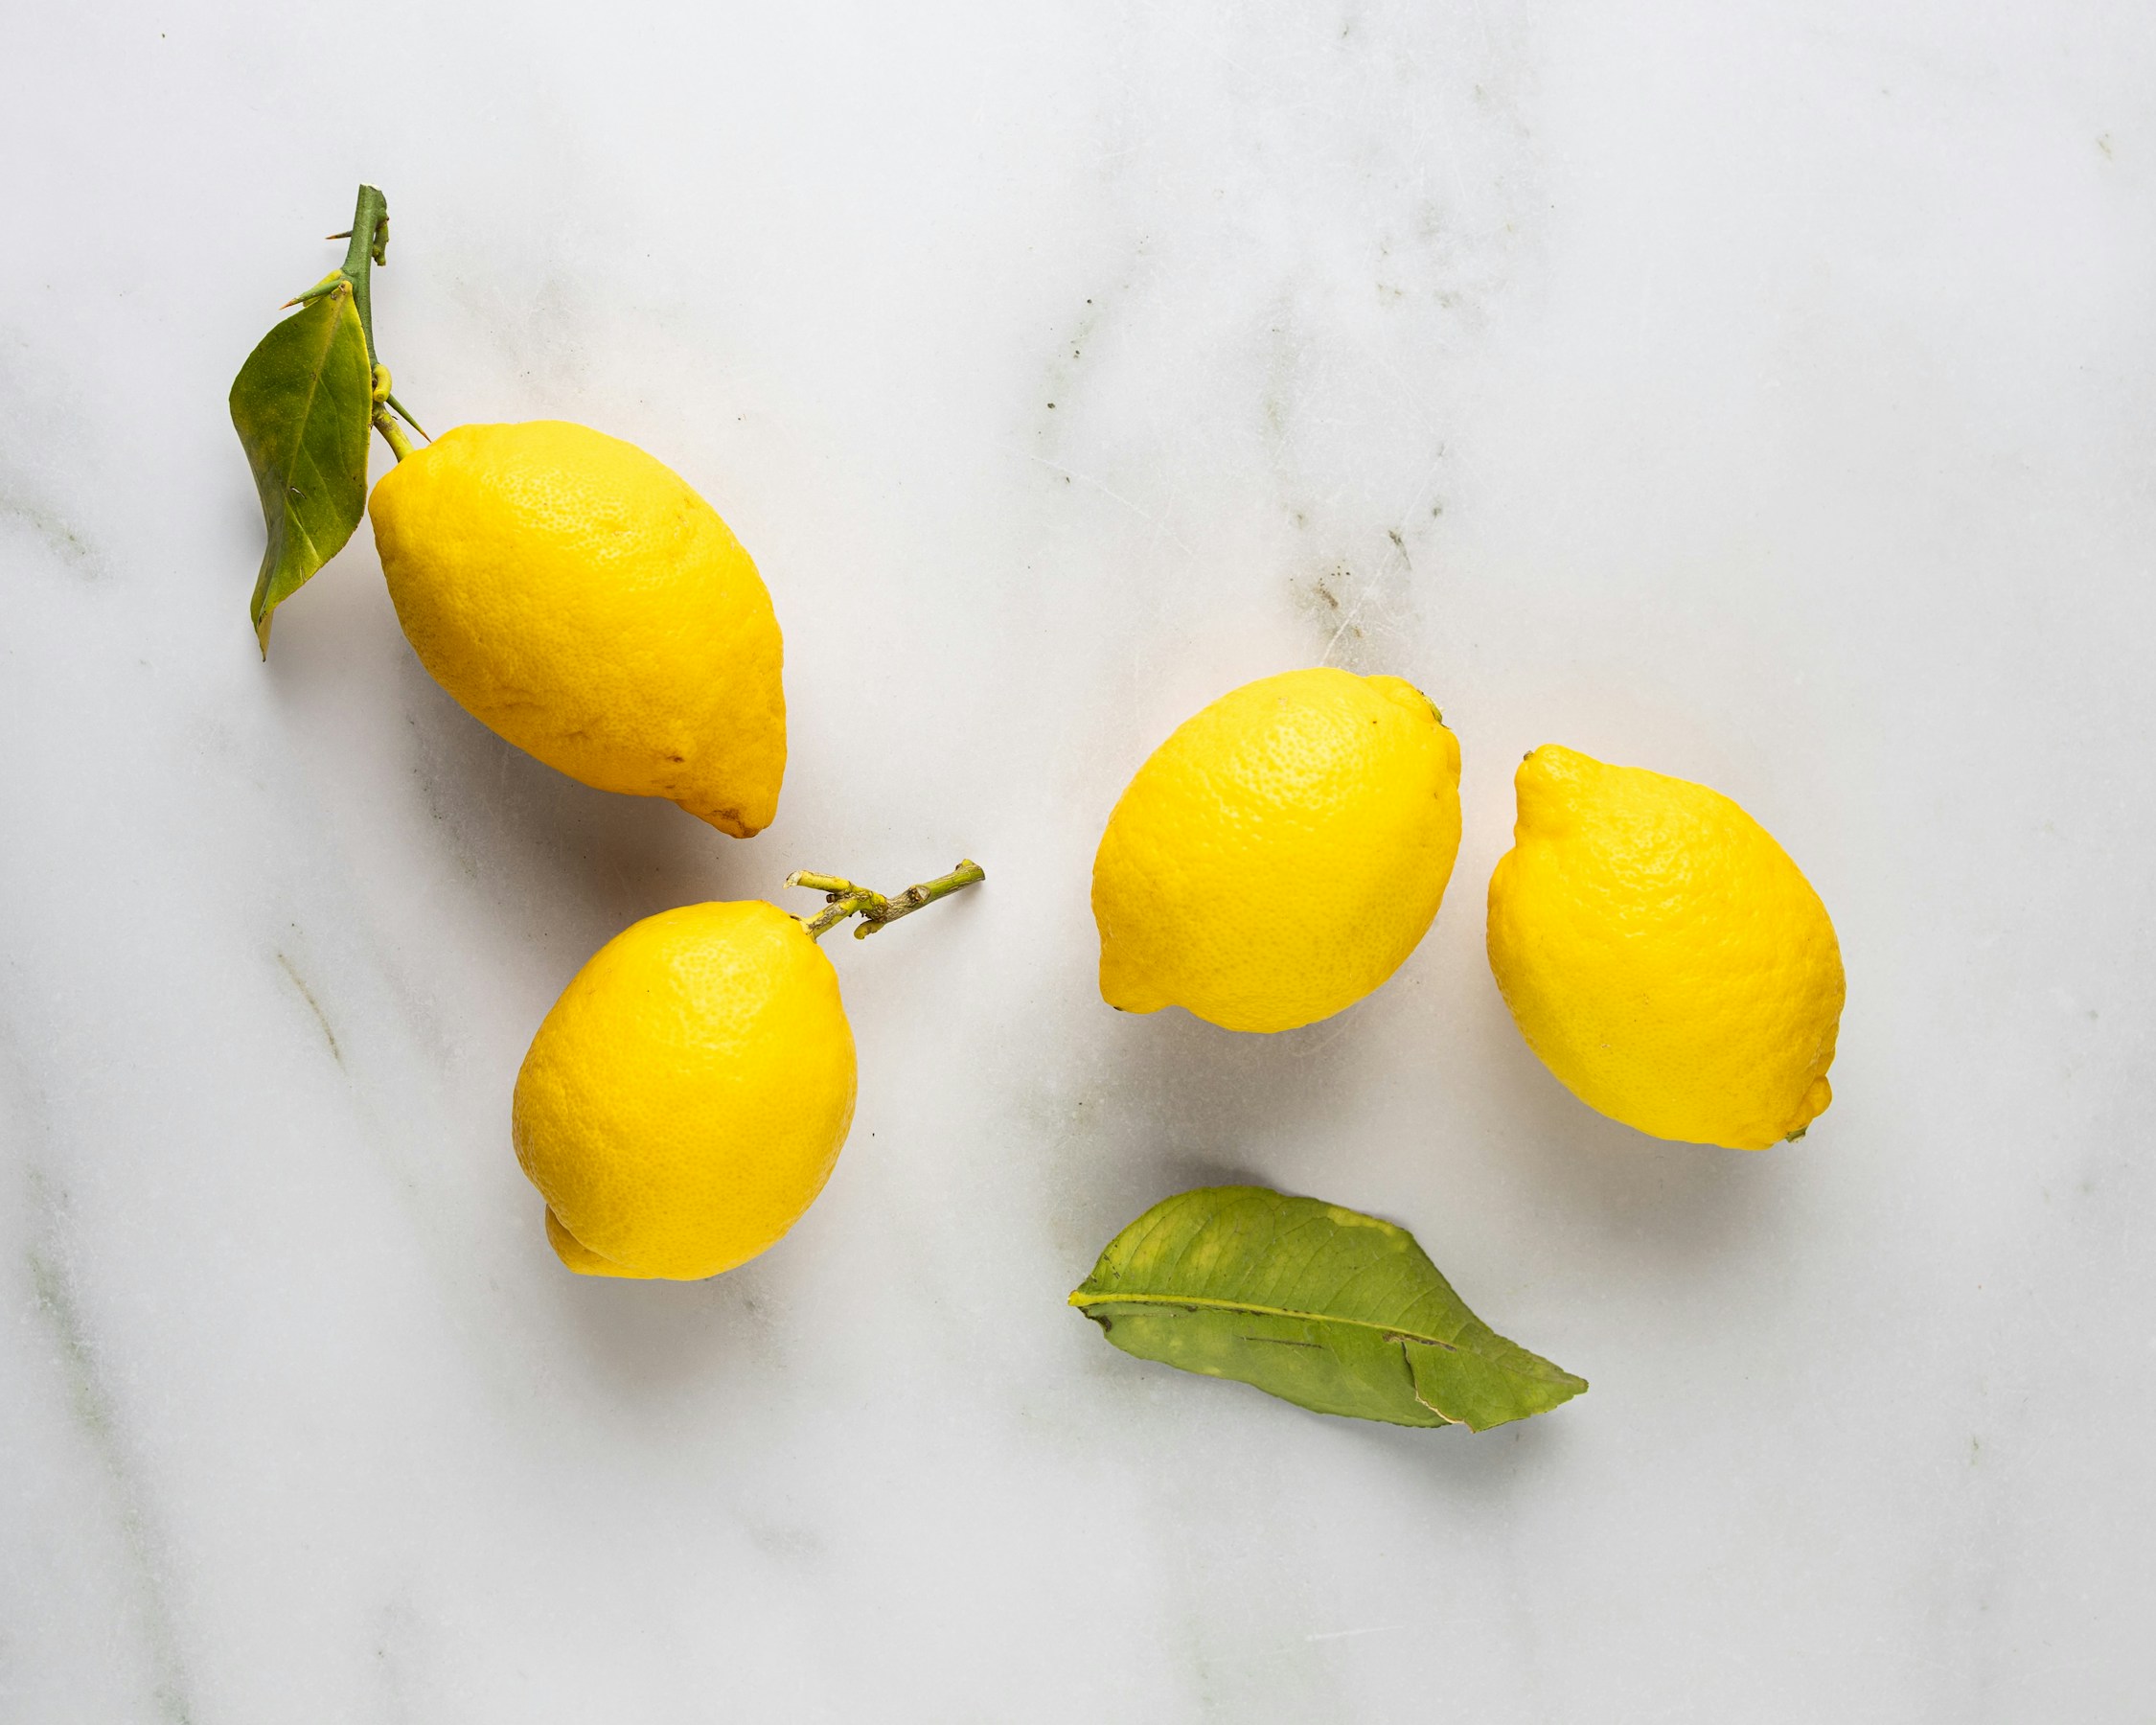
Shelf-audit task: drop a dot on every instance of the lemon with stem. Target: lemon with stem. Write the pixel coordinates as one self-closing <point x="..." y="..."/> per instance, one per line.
<point x="686" y="1097"/>
<point x="569" y="591"/>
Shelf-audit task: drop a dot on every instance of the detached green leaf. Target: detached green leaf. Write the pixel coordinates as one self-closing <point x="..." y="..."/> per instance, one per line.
<point x="1330" y="1309"/>
<point x="303" y="404"/>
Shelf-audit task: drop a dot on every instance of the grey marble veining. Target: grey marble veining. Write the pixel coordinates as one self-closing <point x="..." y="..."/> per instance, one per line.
<point x="1761" y="393"/>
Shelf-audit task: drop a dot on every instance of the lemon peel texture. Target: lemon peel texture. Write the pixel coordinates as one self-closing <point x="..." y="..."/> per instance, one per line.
<point x="576" y="597"/>
<point x="1281" y="854"/>
<point x="1664" y="956"/>
<point x="686" y="1097"/>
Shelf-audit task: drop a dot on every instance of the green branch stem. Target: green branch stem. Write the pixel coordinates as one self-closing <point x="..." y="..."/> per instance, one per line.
<point x="844" y="898"/>
<point x="369" y="233"/>
<point x="369" y="237"/>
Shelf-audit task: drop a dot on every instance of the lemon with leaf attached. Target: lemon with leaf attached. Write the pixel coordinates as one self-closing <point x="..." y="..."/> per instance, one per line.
<point x="572" y="593"/>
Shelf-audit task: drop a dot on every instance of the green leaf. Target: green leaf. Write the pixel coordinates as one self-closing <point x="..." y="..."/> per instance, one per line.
<point x="303" y="404"/>
<point x="1328" y="1308"/>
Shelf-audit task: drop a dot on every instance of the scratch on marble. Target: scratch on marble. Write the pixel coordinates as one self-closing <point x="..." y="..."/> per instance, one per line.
<point x="94" y="1411"/>
<point x="1326" y="1635"/>
<point x="1350" y="620"/>
<point x="1422" y="491"/>
<point x="315" y="1007"/>
<point x="1158" y="522"/>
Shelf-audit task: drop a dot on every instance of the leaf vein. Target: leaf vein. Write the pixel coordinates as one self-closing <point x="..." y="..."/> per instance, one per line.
<point x="1085" y="1301"/>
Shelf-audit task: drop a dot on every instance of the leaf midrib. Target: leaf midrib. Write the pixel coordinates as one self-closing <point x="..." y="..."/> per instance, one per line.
<point x="330" y="329"/>
<point x="1082" y="1301"/>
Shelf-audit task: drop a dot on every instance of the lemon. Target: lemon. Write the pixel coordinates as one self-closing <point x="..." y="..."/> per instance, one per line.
<point x="576" y="596"/>
<point x="685" y="1099"/>
<point x="1281" y="853"/>
<point x="1664" y="956"/>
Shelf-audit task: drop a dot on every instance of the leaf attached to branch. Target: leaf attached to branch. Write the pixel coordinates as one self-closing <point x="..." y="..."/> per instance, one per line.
<point x="303" y="404"/>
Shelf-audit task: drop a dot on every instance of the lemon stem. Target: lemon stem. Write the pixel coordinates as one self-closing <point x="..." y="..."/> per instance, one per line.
<point x="843" y="898"/>
<point x="393" y="434"/>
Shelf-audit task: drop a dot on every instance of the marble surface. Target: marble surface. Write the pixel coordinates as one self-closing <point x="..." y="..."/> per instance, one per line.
<point x="1762" y="393"/>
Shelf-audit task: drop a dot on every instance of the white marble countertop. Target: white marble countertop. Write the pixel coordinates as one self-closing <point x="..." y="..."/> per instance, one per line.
<point x="1761" y="393"/>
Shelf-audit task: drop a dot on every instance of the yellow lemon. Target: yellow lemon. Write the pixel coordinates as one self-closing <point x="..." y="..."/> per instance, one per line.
<point x="1664" y="956"/>
<point x="1281" y="853"/>
<point x="576" y="597"/>
<point x="685" y="1099"/>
